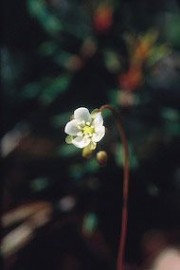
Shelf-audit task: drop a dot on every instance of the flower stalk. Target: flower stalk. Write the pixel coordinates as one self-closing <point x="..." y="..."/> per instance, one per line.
<point x="124" y="219"/>
<point x="84" y="131"/>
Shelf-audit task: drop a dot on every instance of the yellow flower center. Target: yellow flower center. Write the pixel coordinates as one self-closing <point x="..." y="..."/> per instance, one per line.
<point x="88" y="130"/>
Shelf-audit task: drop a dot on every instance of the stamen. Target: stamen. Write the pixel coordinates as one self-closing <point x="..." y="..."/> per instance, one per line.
<point x="88" y="130"/>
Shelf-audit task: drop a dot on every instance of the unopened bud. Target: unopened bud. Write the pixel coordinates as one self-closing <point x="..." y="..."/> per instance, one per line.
<point x="102" y="157"/>
<point x="87" y="152"/>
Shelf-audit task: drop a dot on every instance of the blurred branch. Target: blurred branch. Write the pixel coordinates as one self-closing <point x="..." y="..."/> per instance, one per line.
<point x="32" y="215"/>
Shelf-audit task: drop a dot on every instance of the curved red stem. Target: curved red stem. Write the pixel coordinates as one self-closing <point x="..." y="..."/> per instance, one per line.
<point x="124" y="220"/>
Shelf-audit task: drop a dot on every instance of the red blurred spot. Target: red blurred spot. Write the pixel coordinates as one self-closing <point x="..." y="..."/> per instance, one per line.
<point x="103" y="18"/>
<point x="132" y="79"/>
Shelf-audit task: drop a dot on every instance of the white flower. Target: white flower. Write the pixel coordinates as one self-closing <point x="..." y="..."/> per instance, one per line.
<point x="85" y="129"/>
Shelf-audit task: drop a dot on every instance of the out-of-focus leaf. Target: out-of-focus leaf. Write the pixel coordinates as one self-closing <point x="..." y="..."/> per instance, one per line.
<point x="54" y="87"/>
<point x="171" y="119"/>
<point x="39" y="184"/>
<point x="48" y="48"/>
<point x="91" y="166"/>
<point x="170" y="114"/>
<point x="60" y="119"/>
<point x="48" y="20"/>
<point x="73" y="21"/>
<point x="172" y="128"/>
<point x="57" y="54"/>
<point x="119" y="155"/>
<point x="47" y="89"/>
<point x="157" y="53"/>
<point x="172" y="28"/>
<point x="79" y="169"/>
<point x="33" y="216"/>
<point x="22" y="212"/>
<point x="113" y="96"/>
<point x="31" y="90"/>
<point x="76" y="21"/>
<point x="76" y="171"/>
<point x="89" y="223"/>
<point x="67" y="150"/>
<point x="12" y="67"/>
<point x="112" y="61"/>
<point x="62" y="58"/>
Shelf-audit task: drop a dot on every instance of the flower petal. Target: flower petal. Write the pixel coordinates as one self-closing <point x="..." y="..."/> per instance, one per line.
<point x="82" y="114"/>
<point x="71" y="128"/>
<point x="98" y="120"/>
<point x="92" y="145"/>
<point x="99" y="134"/>
<point x="81" y="141"/>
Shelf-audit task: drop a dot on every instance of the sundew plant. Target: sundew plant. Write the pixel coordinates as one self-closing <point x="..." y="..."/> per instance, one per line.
<point x="84" y="131"/>
<point x="85" y="185"/>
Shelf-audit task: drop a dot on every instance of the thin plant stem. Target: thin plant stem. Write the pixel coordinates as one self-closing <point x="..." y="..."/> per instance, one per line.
<point x="124" y="219"/>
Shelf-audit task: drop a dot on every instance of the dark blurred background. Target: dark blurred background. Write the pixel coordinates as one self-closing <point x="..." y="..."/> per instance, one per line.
<point x="60" y="211"/>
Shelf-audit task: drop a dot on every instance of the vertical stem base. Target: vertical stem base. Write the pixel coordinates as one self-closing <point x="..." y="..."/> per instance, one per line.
<point x="124" y="219"/>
